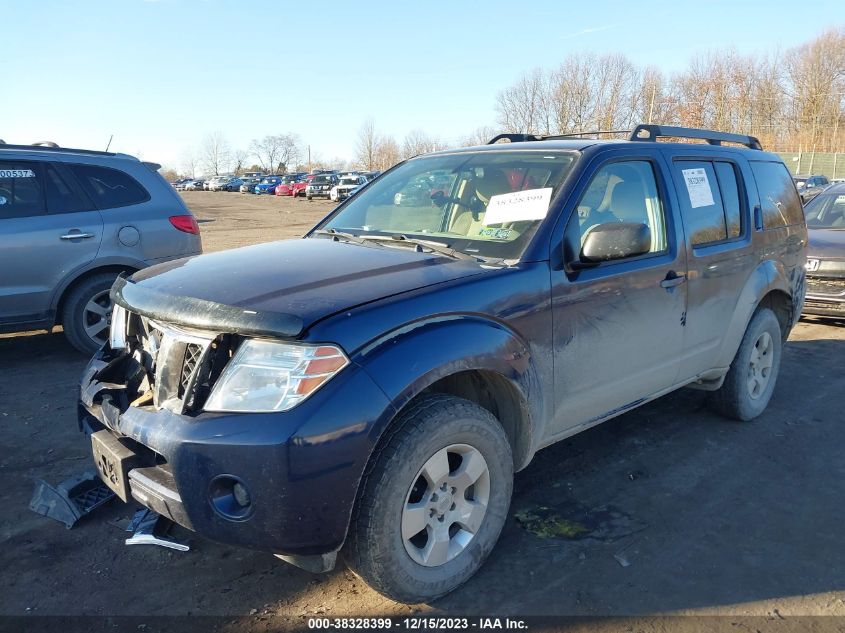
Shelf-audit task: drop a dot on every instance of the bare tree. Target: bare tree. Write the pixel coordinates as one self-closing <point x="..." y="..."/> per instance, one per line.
<point x="240" y="158"/>
<point x="275" y="153"/>
<point x="419" y="142"/>
<point x="215" y="154"/>
<point x="480" y="136"/>
<point x="387" y="153"/>
<point x="366" y="145"/>
<point x="190" y="162"/>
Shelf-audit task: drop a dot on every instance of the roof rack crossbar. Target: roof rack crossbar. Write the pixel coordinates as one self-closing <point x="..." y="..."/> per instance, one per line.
<point x="648" y="132"/>
<point x="515" y="138"/>
<point x="586" y="133"/>
<point x="518" y="137"/>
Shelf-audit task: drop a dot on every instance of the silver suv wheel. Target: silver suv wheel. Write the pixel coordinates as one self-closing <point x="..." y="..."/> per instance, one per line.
<point x="97" y="317"/>
<point x="760" y="365"/>
<point x="445" y="505"/>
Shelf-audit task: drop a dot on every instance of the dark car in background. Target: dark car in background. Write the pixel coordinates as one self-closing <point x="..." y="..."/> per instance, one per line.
<point x="320" y="186"/>
<point x="267" y="184"/>
<point x="71" y="221"/>
<point x="368" y="391"/>
<point x="810" y="186"/>
<point x="826" y="253"/>
<point x="248" y="184"/>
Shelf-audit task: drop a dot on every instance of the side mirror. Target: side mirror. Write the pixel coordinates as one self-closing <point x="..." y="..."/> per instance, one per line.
<point x="614" y="240"/>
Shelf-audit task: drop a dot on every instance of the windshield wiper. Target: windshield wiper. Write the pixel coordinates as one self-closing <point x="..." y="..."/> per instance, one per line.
<point x="437" y="247"/>
<point x="342" y="235"/>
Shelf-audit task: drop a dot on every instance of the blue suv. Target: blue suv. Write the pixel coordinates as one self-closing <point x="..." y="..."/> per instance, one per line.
<point x="370" y="390"/>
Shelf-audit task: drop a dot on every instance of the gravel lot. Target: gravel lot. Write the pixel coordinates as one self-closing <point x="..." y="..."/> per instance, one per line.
<point x="677" y="510"/>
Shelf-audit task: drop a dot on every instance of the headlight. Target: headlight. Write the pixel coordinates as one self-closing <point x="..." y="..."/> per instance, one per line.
<point x="268" y="376"/>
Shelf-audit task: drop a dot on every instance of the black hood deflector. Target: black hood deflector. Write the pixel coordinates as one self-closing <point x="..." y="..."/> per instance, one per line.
<point x="201" y="313"/>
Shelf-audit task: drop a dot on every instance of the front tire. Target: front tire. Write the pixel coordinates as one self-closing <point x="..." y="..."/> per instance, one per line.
<point x="433" y="502"/>
<point x="751" y="379"/>
<point x="86" y="315"/>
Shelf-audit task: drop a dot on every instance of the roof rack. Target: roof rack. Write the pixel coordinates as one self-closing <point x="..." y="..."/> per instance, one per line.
<point x="648" y="132"/>
<point x="50" y="146"/>
<point x="517" y="138"/>
<point x="644" y="132"/>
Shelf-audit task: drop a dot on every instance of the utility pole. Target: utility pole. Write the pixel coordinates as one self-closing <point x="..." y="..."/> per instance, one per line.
<point x="309" y="158"/>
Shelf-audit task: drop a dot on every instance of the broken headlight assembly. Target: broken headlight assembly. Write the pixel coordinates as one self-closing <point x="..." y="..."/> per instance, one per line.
<point x="265" y="376"/>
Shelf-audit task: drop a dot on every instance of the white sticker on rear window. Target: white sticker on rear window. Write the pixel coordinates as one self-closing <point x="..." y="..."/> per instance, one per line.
<point x="698" y="187"/>
<point x="519" y="206"/>
<point x="17" y="173"/>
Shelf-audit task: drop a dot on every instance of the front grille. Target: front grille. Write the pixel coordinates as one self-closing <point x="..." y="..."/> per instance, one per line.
<point x="193" y="354"/>
<point x="828" y="287"/>
<point x="178" y="362"/>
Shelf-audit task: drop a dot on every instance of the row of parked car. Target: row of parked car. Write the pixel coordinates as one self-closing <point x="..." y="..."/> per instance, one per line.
<point x="331" y="184"/>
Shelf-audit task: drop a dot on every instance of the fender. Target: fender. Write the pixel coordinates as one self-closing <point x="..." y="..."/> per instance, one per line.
<point x="409" y="359"/>
<point x="792" y="281"/>
<point x="757" y="286"/>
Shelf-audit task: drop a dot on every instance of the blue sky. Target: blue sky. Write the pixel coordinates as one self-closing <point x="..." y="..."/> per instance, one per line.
<point x="161" y="74"/>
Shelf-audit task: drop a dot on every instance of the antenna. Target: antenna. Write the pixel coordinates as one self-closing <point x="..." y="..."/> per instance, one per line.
<point x="109" y="143"/>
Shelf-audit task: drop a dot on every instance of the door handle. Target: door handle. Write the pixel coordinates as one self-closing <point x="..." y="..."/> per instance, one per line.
<point x="673" y="279"/>
<point x="76" y="236"/>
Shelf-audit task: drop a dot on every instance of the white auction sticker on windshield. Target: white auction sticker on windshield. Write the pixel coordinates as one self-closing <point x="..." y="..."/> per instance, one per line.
<point x="17" y="173"/>
<point x="698" y="187"/>
<point x="531" y="204"/>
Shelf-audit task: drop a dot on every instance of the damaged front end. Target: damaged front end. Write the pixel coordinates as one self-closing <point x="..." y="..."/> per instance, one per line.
<point x="282" y="481"/>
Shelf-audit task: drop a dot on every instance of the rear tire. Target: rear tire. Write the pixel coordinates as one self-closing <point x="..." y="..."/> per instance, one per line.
<point x="86" y="314"/>
<point x="751" y="379"/>
<point x="433" y="501"/>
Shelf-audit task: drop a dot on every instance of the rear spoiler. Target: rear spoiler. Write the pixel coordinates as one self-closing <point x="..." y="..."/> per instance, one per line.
<point x="152" y="166"/>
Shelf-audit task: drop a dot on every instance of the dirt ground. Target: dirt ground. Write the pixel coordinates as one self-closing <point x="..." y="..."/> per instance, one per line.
<point x="671" y="509"/>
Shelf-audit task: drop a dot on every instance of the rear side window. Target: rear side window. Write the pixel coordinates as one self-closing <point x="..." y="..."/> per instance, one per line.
<point x="21" y="194"/>
<point x="109" y="188"/>
<point x="701" y="202"/>
<point x="726" y="175"/>
<point x="61" y="197"/>
<point x="778" y="198"/>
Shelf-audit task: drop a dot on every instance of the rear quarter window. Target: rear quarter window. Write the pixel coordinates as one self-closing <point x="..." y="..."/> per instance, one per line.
<point x="109" y="188"/>
<point x="780" y="203"/>
<point x="21" y="192"/>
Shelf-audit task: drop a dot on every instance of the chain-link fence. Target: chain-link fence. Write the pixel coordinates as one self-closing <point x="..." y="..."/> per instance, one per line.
<point x="828" y="164"/>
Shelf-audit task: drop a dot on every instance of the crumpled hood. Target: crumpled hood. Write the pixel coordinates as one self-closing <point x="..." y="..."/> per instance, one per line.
<point x="826" y="243"/>
<point x="301" y="281"/>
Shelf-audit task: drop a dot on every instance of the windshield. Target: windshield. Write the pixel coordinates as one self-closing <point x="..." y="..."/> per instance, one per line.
<point x="348" y="181"/>
<point x="269" y="181"/>
<point x="486" y="204"/>
<point x="322" y="179"/>
<point x="826" y="211"/>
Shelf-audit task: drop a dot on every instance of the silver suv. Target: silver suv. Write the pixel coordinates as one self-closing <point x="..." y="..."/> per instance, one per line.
<point x="71" y="221"/>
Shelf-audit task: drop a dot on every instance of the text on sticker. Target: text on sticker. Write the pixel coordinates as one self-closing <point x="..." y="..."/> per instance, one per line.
<point x="518" y="206"/>
<point x="17" y="173"/>
<point x="698" y="187"/>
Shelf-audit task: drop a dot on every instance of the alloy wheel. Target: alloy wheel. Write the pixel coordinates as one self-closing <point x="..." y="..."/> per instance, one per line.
<point x="760" y="365"/>
<point x="445" y="505"/>
<point x="96" y="317"/>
